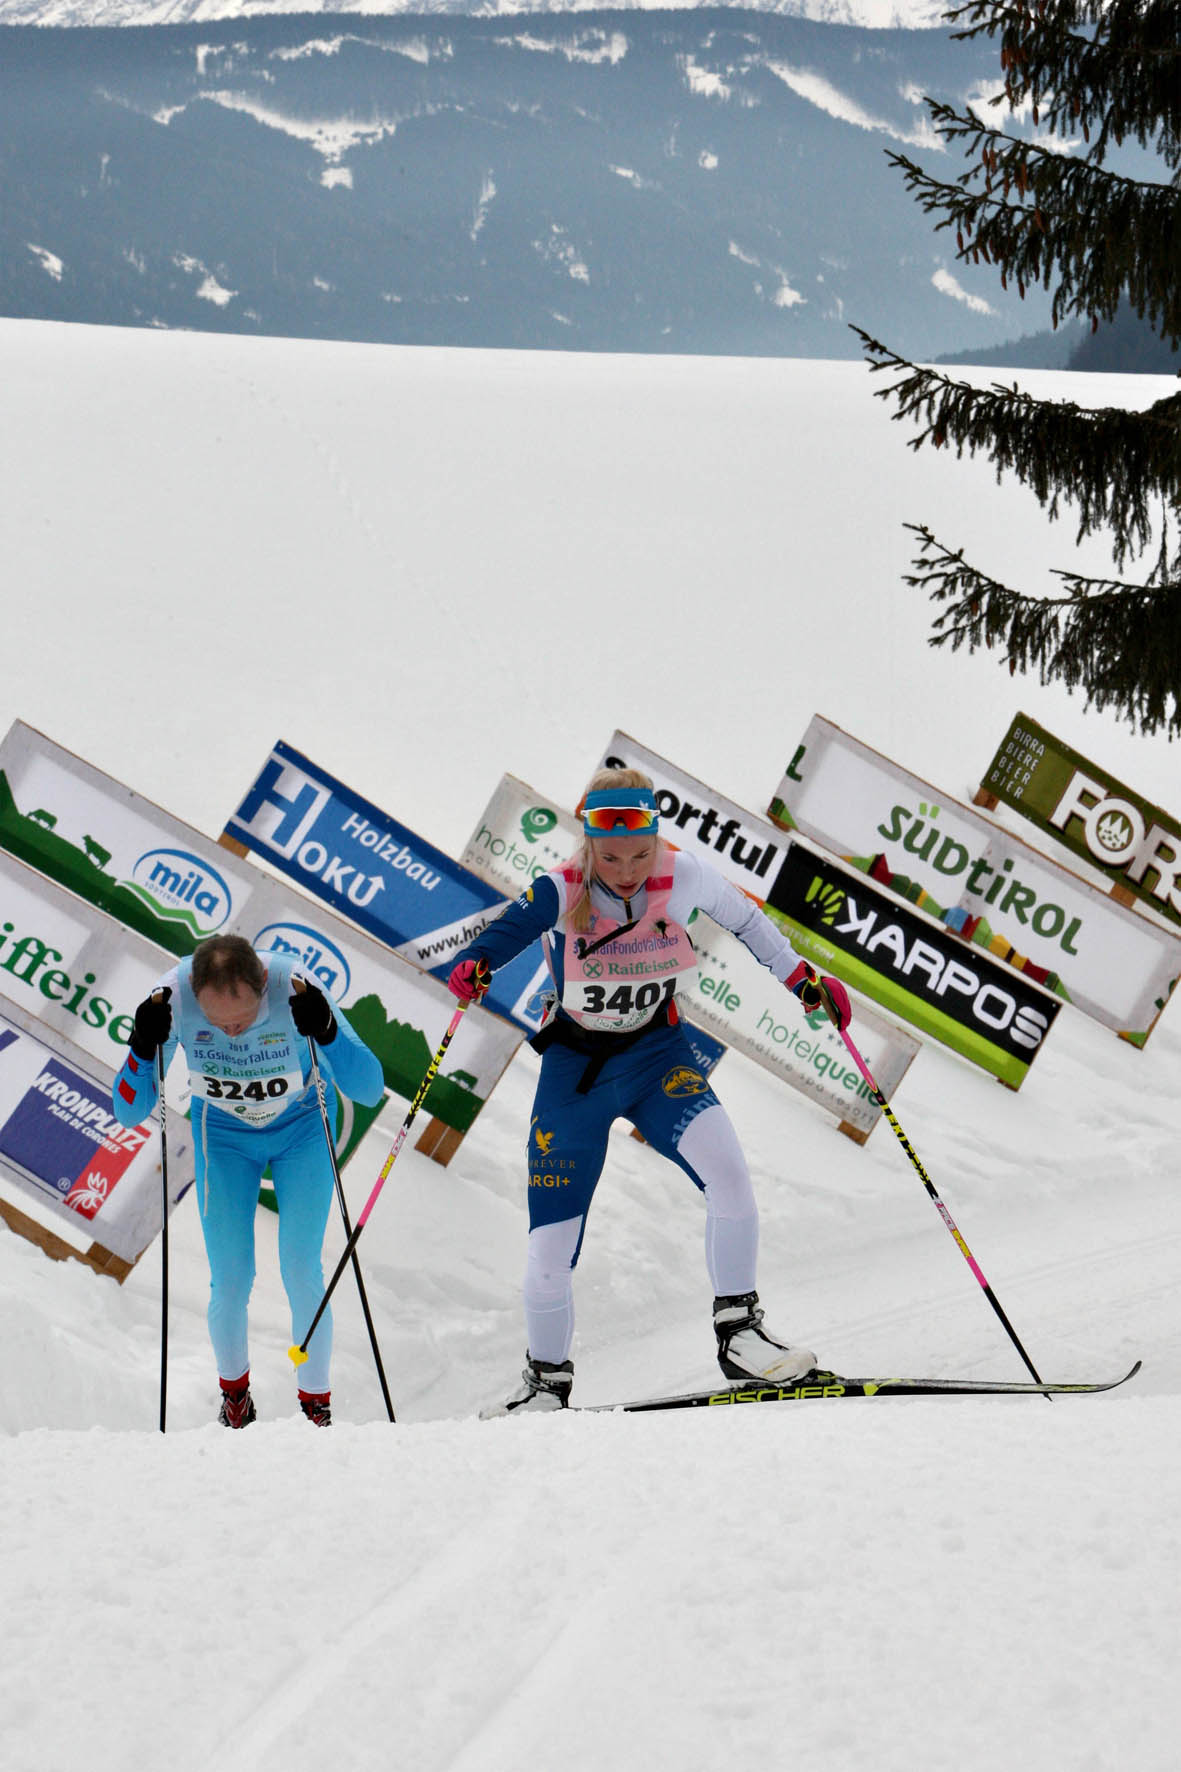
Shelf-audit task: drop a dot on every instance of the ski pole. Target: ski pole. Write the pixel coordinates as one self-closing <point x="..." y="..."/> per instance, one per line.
<point x="944" y="1214"/>
<point x="299" y="1354"/>
<point x="163" y="1240"/>
<point x="348" y="1229"/>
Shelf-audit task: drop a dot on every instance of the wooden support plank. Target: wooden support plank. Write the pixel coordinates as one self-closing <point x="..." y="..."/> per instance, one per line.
<point x="101" y="1260"/>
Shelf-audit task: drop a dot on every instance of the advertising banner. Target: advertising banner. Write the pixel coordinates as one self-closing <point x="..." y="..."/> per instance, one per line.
<point x="734" y="999"/>
<point x="910" y="964"/>
<point x="1092" y="814"/>
<point x="988" y="889"/>
<point x="176" y="886"/>
<point x="379" y="874"/>
<point x="66" y="1164"/>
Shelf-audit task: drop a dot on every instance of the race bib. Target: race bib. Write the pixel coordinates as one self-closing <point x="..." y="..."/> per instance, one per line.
<point x="255" y="1101"/>
<point x="615" y="1008"/>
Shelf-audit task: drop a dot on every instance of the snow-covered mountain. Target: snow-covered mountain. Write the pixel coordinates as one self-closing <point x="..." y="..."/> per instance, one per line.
<point x="876" y="14"/>
<point x="704" y="181"/>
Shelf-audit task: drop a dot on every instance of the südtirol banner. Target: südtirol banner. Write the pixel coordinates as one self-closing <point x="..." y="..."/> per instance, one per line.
<point x="520" y="836"/>
<point x="994" y="894"/>
<point x="127" y="858"/>
<point x="65" y="1161"/>
<point x="733" y="998"/>
<point x="380" y="875"/>
<point x="1084" y="807"/>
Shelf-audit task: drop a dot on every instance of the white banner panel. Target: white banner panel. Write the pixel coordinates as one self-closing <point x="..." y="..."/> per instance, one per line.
<point x="985" y="885"/>
<point x="733" y="997"/>
<point x="145" y="869"/>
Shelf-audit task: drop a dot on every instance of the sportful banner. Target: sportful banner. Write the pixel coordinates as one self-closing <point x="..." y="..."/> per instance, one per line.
<point x="65" y="1161"/>
<point x="734" y="998"/>
<point x="1092" y="814"/>
<point x="915" y="982"/>
<point x="379" y="874"/>
<point x="521" y="836"/>
<point x="127" y="857"/>
<point x="992" y="892"/>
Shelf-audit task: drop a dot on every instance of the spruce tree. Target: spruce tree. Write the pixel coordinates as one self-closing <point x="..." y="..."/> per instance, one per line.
<point x="1099" y="73"/>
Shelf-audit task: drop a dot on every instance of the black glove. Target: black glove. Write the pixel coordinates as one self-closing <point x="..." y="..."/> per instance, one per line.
<point x="153" y="1024"/>
<point x="312" y="1014"/>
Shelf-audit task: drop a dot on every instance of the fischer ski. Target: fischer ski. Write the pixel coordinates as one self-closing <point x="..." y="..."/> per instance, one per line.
<point x="830" y="1385"/>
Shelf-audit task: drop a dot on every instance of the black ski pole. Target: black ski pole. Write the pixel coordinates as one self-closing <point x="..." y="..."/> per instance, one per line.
<point x="348" y="1229"/>
<point x="163" y="1240"/>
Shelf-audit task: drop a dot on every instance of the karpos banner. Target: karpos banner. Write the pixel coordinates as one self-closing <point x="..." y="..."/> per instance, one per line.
<point x="65" y="1161"/>
<point x="992" y="893"/>
<point x="1090" y="812"/>
<point x="377" y="873"/>
<point x="733" y="998"/>
<point x="139" y="865"/>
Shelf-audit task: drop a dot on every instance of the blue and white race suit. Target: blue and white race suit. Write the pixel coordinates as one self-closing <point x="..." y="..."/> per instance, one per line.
<point x="253" y="1105"/>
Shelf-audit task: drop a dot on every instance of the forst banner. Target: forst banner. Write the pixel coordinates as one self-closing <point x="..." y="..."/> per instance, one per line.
<point x="912" y="981"/>
<point x="991" y="892"/>
<point x="379" y="874"/>
<point x="64" y="1158"/>
<point x="733" y="999"/>
<point x="1092" y="814"/>
<point x="118" y="854"/>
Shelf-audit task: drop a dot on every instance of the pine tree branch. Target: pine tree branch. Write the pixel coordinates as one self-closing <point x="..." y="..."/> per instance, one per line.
<point x="1120" y="469"/>
<point x="1110" y="69"/>
<point x="1042" y="217"/>
<point x="1120" y="643"/>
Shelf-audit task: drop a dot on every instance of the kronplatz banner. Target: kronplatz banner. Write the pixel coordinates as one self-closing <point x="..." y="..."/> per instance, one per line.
<point x="123" y="855"/>
<point x="841" y="922"/>
<point x="379" y="874"/>
<point x="1090" y="813"/>
<point x="67" y="1167"/>
<point x="733" y="998"/>
<point x="993" y="893"/>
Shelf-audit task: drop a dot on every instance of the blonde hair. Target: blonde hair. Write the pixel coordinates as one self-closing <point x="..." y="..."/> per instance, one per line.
<point x="579" y="914"/>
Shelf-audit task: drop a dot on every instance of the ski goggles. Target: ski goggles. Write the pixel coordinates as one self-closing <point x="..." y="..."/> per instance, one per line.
<point x="630" y="810"/>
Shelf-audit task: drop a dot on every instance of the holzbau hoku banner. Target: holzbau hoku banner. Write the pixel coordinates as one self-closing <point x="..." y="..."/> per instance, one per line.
<point x="161" y="878"/>
<point x="1090" y="813"/>
<point x="990" y="891"/>
<point x="919" y="973"/>
<point x="379" y="874"/>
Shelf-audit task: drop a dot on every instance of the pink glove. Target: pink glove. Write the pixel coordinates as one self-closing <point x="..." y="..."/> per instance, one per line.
<point x="469" y="980"/>
<point x="824" y="993"/>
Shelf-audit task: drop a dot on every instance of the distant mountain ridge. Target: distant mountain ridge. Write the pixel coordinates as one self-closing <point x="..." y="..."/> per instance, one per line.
<point x="869" y="14"/>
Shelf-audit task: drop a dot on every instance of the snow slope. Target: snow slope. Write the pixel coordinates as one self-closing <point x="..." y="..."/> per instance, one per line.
<point x="423" y="569"/>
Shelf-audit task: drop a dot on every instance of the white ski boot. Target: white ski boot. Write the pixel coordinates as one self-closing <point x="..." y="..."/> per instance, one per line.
<point x="745" y="1350"/>
<point x="544" y="1386"/>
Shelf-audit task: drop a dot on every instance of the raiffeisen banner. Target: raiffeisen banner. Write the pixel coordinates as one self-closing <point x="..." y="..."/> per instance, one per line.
<point x="66" y="1164"/>
<point x="379" y="874"/>
<point x="1092" y="814"/>
<point x="991" y="892"/>
<point x="126" y="858"/>
<point x="733" y="998"/>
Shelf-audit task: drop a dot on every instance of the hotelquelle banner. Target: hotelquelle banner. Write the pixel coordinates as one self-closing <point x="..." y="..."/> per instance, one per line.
<point x="994" y="895"/>
<point x="380" y="875"/>
<point x="733" y="999"/>
<point x="1091" y="813"/>
<point x="124" y="856"/>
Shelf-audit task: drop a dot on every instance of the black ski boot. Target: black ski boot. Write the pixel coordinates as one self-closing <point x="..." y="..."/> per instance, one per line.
<point x="745" y="1350"/>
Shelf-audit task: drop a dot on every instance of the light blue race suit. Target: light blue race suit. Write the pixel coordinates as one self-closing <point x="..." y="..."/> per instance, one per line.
<point x="254" y="1104"/>
<point x="648" y="1075"/>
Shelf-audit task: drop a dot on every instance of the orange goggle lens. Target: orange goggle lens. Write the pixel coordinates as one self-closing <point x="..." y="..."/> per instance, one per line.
<point x="603" y="819"/>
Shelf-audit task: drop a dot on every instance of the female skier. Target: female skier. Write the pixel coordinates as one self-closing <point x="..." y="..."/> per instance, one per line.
<point x="613" y="924"/>
<point x="244" y="1021"/>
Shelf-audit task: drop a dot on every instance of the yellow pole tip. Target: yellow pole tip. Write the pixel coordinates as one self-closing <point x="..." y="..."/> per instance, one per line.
<point x="297" y="1356"/>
